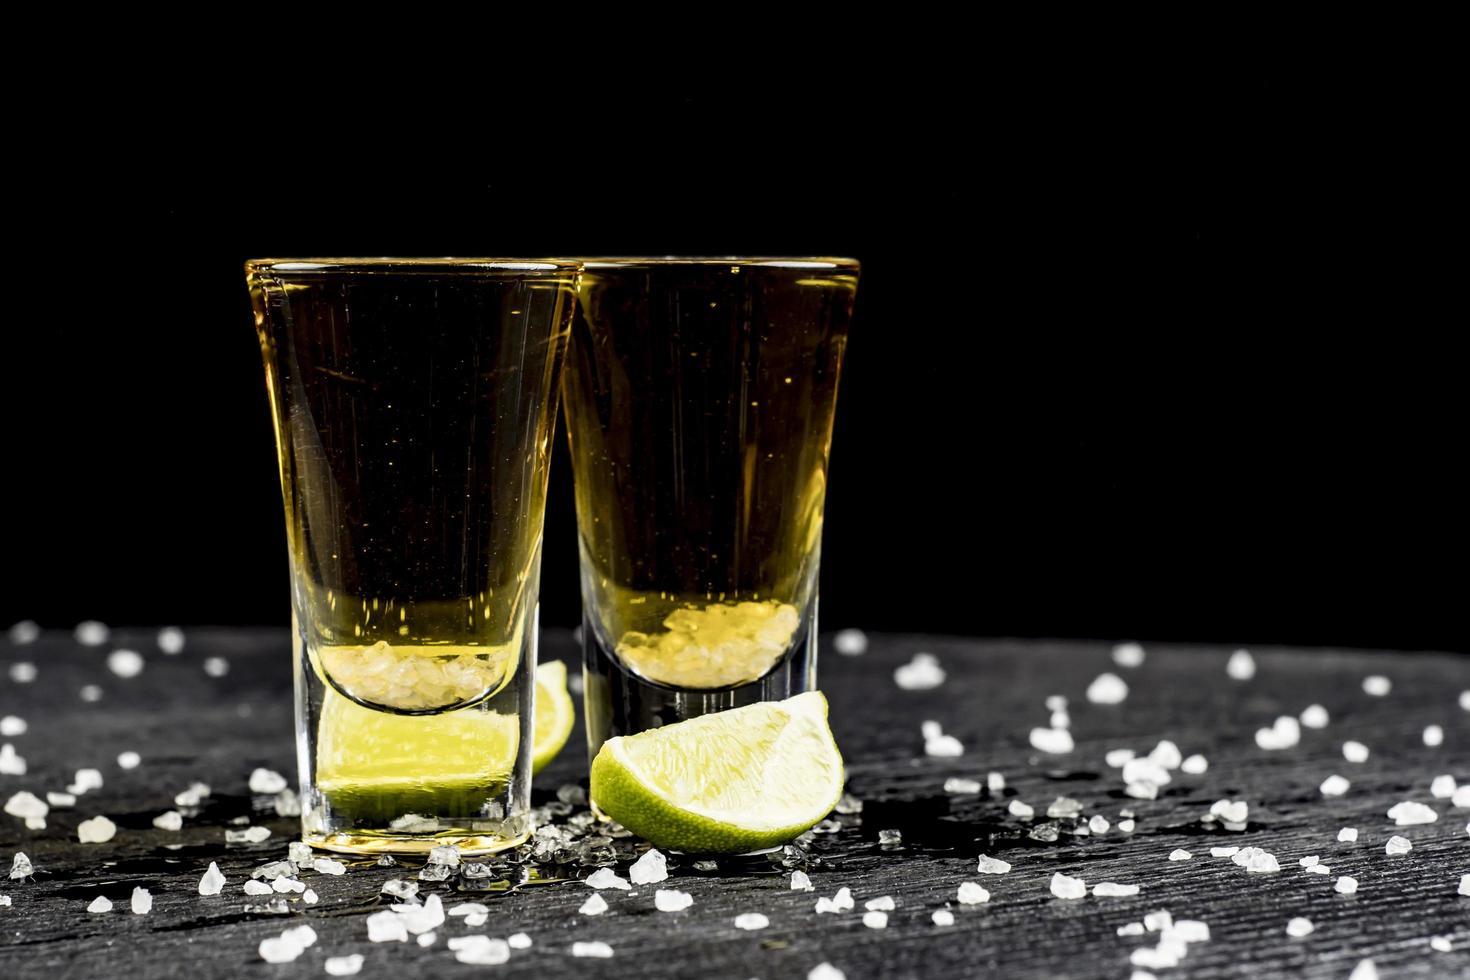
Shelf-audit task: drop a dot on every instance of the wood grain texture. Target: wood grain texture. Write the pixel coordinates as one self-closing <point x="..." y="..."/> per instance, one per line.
<point x="189" y="726"/>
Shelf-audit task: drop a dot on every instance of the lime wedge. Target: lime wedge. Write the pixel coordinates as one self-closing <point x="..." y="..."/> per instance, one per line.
<point x="554" y="713"/>
<point x="725" y="783"/>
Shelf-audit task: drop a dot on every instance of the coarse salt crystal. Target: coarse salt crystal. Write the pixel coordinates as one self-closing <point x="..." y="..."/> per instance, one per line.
<point x="250" y="835"/>
<point x="1409" y="813"/>
<point x="91" y="633"/>
<point x="993" y="866"/>
<point x="1284" y="733"/>
<point x="1397" y="845"/>
<point x="1145" y="770"/>
<point x="801" y="882"/>
<point x="171" y="640"/>
<point x="890" y="837"/>
<point x="1131" y="929"/>
<point x="284" y="885"/>
<point x="266" y="782"/>
<point x="1465" y="884"/>
<point x="11" y="764"/>
<point x="141" y="902"/>
<point x="1126" y="826"/>
<point x="1241" y="666"/>
<point x="1110" y="889"/>
<point x="1262" y="862"/>
<point x="595" y="905"/>
<point x="1189" y="931"/>
<point x="875" y="920"/>
<point x="23" y="672"/>
<point x="1166" y="754"/>
<point x="883" y="903"/>
<point x="1377" y="685"/>
<point x="1022" y="811"/>
<point x="1179" y="854"/>
<point x="326" y="866"/>
<point x="10" y="726"/>
<point x="169" y="820"/>
<point x="343" y="966"/>
<point x="1158" y="921"/>
<point x="1441" y="944"/>
<point x="1066" y="887"/>
<point x="216" y="666"/>
<point x="942" y="917"/>
<point x="90" y="693"/>
<point x="1142" y="791"/>
<point x="1355" y="751"/>
<point x="1347" y="835"/>
<point x="1314" y="716"/>
<point x="98" y="830"/>
<point x="1107" y="689"/>
<point x="309" y="897"/>
<point x="1118" y="758"/>
<point x="212" y="881"/>
<point x="468" y="908"/>
<point x="100" y="904"/>
<point x="1195" y="765"/>
<point x="671" y="900"/>
<point x="26" y="805"/>
<point x="957" y="786"/>
<point x="518" y="940"/>
<point x="1334" y="785"/>
<point x="1433" y="736"/>
<point x="595" y="950"/>
<point x="1052" y="740"/>
<point x="1128" y="655"/>
<point x="1097" y="824"/>
<point x="1365" y="970"/>
<point x="606" y="878"/>
<point x="850" y="642"/>
<point x="84" y="780"/>
<point x="751" y="921"/>
<point x="1309" y="861"/>
<point x="129" y="760"/>
<point x="1223" y="852"/>
<point x="480" y="950"/>
<point x="995" y="782"/>
<point x="254" y="887"/>
<point x="25" y="631"/>
<point x="1443" y="787"/>
<point x="1231" y="811"/>
<point x="922" y="673"/>
<point x="386" y="927"/>
<point x="1465" y="700"/>
<point x="1346" y="885"/>
<point x="945" y="746"/>
<point x="1461" y="799"/>
<point x="972" y="894"/>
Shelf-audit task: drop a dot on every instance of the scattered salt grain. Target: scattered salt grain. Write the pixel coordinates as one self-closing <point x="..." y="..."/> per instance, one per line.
<point x="446" y="854"/>
<point x="595" y="905"/>
<point x="169" y="820"/>
<point x="1131" y="929"/>
<point x="1241" y="666"/>
<point x="518" y="940"/>
<point x="1107" y="889"/>
<point x="280" y="949"/>
<point x="1097" y="824"/>
<point x="922" y="673"/>
<point x="386" y="927"/>
<point x="995" y="782"/>
<point x="1189" y="931"/>
<point x="1314" y="716"/>
<point x="1465" y="700"/>
<point x="993" y="866"/>
<point x="1195" y="765"/>
<point x="848" y="805"/>
<point x="1022" y="811"/>
<point x="961" y="787"/>
<point x="25" y="631"/>
<point x="27" y="806"/>
<point x="1397" y="845"/>
<point x="1284" y="733"/>
<point x="1377" y="685"/>
<point x="751" y="921"/>
<point x="1055" y="702"/>
<point x="1166" y="755"/>
<point x="22" y="672"/>
<point x="84" y="780"/>
<point x="875" y="920"/>
<point x="309" y="897"/>
<point x="1433" y="736"/>
<point x="216" y="666"/>
<point x="850" y="642"/>
<point x="1128" y="655"/>
<point x="890" y="837"/>
<point x="1065" y="887"/>
<point x="1408" y="813"/>
<point x="1179" y="854"/>
<point x="1355" y="751"/>
<point x="250" y="835"/>
<point x="945" y="746"/>
<point x="129" y="760"/>
<point x="1365" y="970"/>
<point x="91" y="633"/>
<point x="480" y="950"/>
<point x="1107" y="689"/>
<point x="100" y="904"/>
<point x="1052" y="740"/>
<point x="1334" y="785"/>
<point x="1118" y="758"/>
<point x="285" y="885"/>
<point x="125" y="663"/>
<point x="171" y="640"/>
<point x="1320" y="869"/>
<point x="468" y="908"/>
<point x="1126" y="826"/>
<point x="343" y="966"/>
<point x="671" y="900"/>
<point x="972" y="894"/>
<point x="1223" y="852"/>
<point x="90" y="693"/>
<point x="942" y="917"/>
<point x="1441" y="944"/>
<point x="599" y="951"/>
<point x="800" y="882"/>
<point x="1309" y="861"/>
<point x="883" y="903"/>
<point x="1346" y="885"/>
<point x="142" y="902"/>
<point x="1347" y="835"/>
<point x="266" y="782"/>
<point x="10" y="726"/>
<point x="1443" y="787"/>
<point x="1262" y="862"/>
<point x="254" y="887"/>
<point x="1460" y="800"/>
<point x="11" y="764"/>
<point x="1145" y="771"/>
<point x="1231" y="811"/>
<point x="326" y="866"/>
<point x="1465" y="884"/>
<point x="98" y="830"/>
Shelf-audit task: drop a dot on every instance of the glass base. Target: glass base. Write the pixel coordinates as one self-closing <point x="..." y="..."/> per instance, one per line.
<point x="618" y="701"/>
<point x="469" y="843"/>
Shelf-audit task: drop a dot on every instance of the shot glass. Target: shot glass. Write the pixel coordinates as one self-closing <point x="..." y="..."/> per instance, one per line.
<point x="414" y="402"/>
<point x="699" y="398"/>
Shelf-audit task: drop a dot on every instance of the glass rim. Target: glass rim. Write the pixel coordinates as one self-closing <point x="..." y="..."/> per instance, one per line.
<point x="387" y="263"/>
<point x="815" y="263"/>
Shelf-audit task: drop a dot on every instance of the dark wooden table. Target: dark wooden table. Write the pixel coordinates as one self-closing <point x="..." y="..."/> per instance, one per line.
<point x="189" y="726"/>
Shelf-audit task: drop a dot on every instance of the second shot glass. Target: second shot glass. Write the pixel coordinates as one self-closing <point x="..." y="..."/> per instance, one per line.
<point x="699" y="396"/>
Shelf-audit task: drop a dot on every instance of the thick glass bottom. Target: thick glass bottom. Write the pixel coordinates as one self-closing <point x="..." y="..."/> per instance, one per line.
<point x="469" y="843"/>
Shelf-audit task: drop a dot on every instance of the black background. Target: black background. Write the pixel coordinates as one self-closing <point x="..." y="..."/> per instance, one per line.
<point x="1141" y="351"/>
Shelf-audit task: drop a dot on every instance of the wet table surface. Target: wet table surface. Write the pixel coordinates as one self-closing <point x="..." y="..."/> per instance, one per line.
<point x="187" y="725"/>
